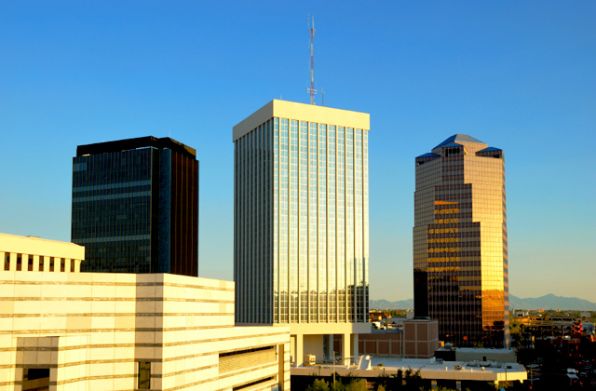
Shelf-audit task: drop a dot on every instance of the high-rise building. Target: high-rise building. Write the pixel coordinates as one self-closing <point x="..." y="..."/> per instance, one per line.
<point x="135" y="206"/>
<point x="460" y="242"/>
<point x="301" y="224"/>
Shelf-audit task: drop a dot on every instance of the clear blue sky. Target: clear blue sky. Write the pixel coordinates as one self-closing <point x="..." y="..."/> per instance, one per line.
<point x="517" y="75"/>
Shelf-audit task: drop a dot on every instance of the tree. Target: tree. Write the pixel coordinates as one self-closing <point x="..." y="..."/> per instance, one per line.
<point x="399" y="377"/>
<point x="337" y="386"/>
<point x="357" y="385"/>
<point x="318" y="385"/>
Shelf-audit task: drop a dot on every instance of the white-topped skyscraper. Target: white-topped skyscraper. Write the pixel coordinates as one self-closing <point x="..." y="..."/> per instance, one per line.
<point x="301" y="224"/>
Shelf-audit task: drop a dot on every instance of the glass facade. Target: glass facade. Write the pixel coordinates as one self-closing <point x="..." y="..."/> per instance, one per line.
<point x="304" y="184"/>
<point x="135" y="206"/>
<point x="460" y="242"/>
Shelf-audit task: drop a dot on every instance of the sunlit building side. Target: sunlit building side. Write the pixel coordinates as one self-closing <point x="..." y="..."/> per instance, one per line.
<point x="301" y="224"/>
<point x="460" y="242"/>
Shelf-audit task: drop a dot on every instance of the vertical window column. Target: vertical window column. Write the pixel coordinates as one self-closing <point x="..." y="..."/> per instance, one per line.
<point x="313" y="221"/>
<point x="293" y="222"/>
<point x="341" y="225"/>
<point x="275" y="200"/>
<point x="331" y="224"/>
<point x="322" y="226"/>
<point x="303" y="221"/>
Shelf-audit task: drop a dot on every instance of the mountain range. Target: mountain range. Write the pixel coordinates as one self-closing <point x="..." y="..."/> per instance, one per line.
<point x="547" y="302"/>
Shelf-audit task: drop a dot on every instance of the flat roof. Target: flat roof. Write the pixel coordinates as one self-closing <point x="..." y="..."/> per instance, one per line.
<point x="302" y="112"/>
<point x="39" y="246"/>
<point x="456" y="370"/>
<point x="136" y="143"/>
<point x="480" y="350"/>
<point x="430" y="369"/>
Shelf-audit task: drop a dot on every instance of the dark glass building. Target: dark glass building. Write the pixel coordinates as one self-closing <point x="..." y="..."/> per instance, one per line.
<point x="135" y="206"/>
<point x="460" y="242"/>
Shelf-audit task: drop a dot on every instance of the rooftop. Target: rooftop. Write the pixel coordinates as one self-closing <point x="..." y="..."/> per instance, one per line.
<point x="39" y="246"/>
<point x="136" y="143"/>
<point x="459" y="139"/>
<point x="302" y="112"/>
<point x="430" y="369"/>
<point x="468" y="144"/>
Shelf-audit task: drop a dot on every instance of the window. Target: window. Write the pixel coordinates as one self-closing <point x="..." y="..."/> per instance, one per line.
<point x="36" y="379"/>
<point x="41" y="264"/>
<point x="144" y="375"/>
<point x="30" y="263"/>
<point x="6" y="261"/>
<point x="242" y="359"/>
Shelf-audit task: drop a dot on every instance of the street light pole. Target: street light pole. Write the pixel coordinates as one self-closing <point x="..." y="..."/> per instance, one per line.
<point x="333" y="385"/>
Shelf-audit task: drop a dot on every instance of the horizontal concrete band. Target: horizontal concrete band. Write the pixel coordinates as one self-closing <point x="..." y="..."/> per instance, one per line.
<point x="271" y="366"/>
<point x="124" y="345"/>
<point x="204" y="382"/>
<point x="44" y="332"/>
<point x="118" y="299"/>
<point x="183" y="371"/>
<point x="74" y="380"/>
<point x="115" y="361"/>
<point x="96" y="377"/>
<point x="117" y="314"/>
<point x="193" y="384"/>
<point x="107" y="283"/>
<point x="246" y="370"/>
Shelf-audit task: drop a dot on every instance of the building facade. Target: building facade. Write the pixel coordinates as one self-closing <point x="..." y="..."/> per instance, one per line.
<point x="418" y="338"/>
<point x="301" y="222"/>
<point x="135" y="206"/>
<point x="460" y="242"/>
<point x="64" y="330"/>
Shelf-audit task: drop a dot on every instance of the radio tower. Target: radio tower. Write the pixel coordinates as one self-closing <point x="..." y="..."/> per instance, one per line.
<point x="311" y="91"/>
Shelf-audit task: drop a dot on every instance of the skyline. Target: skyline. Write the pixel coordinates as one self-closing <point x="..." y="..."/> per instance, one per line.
<point x="523" y="86"/>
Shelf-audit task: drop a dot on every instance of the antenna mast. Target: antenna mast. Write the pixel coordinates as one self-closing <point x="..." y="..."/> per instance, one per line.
<point x="311" y="31"/>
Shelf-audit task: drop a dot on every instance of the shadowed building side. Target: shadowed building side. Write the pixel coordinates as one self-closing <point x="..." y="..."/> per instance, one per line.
<point x="135" y="206"/>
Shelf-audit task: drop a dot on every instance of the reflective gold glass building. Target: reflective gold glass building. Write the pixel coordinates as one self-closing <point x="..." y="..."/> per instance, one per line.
<point x="301" y="218"/>
<point x="460" y="242"/>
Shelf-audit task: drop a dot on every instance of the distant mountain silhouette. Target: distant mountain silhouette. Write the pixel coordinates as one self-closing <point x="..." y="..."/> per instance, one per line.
<point x="552" y="302"/>
<point x="547" y="302"/>
<point x="391" y="305"/>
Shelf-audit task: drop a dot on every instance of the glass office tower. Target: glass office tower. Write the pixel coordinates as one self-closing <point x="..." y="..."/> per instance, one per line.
<point x="135" y="206"/>
<point x="301" y="216"/>
<point x="460" y="242"/>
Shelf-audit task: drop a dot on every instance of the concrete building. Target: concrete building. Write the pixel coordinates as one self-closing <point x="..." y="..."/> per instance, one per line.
<point x="460" y="242"/>
<point x="29" y="253"/>
<point x="135" y="206"/>
<point x="459" y="375"/>
<point x="301" y="224"/>
<point x="64" y="330"/>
